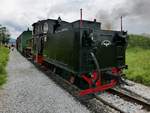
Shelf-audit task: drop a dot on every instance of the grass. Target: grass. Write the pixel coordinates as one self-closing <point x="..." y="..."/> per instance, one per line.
<point x="3" y="62"/>
<point x="138" y="59"/>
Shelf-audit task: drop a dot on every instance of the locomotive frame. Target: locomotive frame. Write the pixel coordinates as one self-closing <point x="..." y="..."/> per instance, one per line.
<point x="87" y="56"/>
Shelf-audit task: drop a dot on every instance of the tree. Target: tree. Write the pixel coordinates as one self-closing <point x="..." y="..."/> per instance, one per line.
<point x="4" y="35"/>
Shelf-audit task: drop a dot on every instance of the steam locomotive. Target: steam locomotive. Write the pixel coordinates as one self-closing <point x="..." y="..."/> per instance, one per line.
<point x="81" y="52"/>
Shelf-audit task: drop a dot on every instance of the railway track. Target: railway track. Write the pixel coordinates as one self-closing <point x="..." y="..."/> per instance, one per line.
<point x="128" y="96"/>
<point x="94" y="102"/>
<point x="109" y="104"/>
<point x="131" y="96"/>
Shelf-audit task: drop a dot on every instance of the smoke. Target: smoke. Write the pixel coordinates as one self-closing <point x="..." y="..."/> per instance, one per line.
<point x="104" y="17"/>
<point x="134" y="10"/>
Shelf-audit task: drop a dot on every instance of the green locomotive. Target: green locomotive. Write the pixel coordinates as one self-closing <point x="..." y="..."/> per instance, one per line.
<point x="23" y="42"/>
<point x="81" y="52"/>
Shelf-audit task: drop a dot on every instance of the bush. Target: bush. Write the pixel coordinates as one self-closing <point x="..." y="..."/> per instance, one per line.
<point x="139" y="41"/>
<point x="3" y="62"/>
<point x="3" y="79"/>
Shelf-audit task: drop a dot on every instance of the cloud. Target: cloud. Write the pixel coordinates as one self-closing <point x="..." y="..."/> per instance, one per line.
<point x="17" y="15"/>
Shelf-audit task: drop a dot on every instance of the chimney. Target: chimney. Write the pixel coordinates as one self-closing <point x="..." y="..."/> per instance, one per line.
<point x="121" y="23"/>
<point x="81" y="18"/>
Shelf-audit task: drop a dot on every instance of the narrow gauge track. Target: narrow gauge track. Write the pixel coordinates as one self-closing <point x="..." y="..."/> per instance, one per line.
<point x="126" y="95"/>
<point x="109" y="104"/>
<point x="131" y="96"/>
<point x="93" y="102"/>
<point x="134" y="95"/>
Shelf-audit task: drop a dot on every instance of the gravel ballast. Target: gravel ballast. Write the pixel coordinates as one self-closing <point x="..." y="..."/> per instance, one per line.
<point x="30" y="91"/>
<point x="139" y="89"/>
<point x="122" y="104"/>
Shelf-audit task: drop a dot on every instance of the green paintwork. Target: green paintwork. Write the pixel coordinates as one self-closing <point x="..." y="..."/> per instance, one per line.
<point x="66" y="49"/>
<point x="63" y="48"/>
<point x="23" y="40"/>
<point x="112" y="55"/>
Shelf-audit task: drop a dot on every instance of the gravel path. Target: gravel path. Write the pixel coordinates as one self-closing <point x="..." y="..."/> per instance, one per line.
<point x="30" y="91"/>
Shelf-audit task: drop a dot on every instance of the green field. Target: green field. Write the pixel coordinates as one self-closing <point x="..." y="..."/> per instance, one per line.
<point x="138" y="59"/>
<point x="4" y="52"/>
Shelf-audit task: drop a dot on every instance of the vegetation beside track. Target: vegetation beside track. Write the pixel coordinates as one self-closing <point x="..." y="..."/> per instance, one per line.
<point x="138" y="59"/>
<point x="4" y="52"/>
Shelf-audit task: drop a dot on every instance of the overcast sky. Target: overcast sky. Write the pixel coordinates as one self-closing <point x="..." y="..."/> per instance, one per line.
<point x="17" y="15"/>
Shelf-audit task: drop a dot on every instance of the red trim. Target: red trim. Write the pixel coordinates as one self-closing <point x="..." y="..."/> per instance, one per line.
<point x="94" y="75"/>
<point x="34" y="57"/>
<point x="98" y="83"/>
<point x="115" y="70"/>
<point x="90" y="80"/>
<point x="39" y="59"/>
<point x="87" y="79"/>
<point x="98" y="88"/>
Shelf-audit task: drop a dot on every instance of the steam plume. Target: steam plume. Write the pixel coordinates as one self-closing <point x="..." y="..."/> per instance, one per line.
<point x="135" y="10"/>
